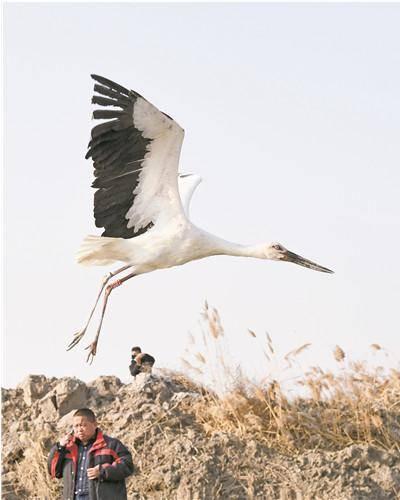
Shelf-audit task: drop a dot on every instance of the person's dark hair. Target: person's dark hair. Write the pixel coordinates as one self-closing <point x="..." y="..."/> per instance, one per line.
<point x="85" y="412"/>
<point x="136" y="349"/>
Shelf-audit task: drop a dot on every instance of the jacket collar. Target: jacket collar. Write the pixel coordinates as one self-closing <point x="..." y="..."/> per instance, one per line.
<point x="99" y="442"/>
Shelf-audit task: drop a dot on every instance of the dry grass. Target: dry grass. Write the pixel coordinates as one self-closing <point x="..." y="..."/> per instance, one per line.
<point x="33" y="470"/>
<point x="356" y="404"/>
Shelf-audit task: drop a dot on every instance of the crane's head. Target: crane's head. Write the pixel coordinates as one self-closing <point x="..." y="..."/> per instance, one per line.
<point x="276" y="251"/>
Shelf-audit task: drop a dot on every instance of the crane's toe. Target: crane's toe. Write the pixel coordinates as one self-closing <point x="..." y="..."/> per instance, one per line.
<point x="92" y="352"/>
<point x="77" y="337"/>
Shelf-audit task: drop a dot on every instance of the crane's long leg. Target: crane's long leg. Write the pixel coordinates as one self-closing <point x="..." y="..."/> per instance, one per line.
<point x="109" y="289"/>
<point x="106" y="278"/>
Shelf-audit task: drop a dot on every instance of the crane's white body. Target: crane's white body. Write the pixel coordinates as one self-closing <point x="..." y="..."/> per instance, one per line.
<point x="174" y="244"/>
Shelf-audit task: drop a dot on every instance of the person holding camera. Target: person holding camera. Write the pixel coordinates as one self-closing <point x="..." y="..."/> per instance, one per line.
<point x="140" y="362"/>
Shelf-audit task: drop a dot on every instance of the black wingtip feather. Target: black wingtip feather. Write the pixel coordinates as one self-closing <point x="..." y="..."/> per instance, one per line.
<point x="117" y="150"/>
<point x="104" y="127"/>
<point x="110" y="84"/>
<point x="107" y="113"/>
<point x="105" y="101"/>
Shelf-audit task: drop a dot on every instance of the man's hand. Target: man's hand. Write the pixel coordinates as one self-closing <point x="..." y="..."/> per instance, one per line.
<point x="94" y="472"/>
<point x="64" y="440"/>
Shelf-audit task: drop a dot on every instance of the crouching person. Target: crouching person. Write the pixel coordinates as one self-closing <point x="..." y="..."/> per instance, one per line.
<point x="93" y="466"/>
<point x="141" y="362"/>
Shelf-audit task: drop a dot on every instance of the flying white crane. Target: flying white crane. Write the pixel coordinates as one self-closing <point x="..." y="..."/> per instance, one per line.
<point x="142" y="202"/>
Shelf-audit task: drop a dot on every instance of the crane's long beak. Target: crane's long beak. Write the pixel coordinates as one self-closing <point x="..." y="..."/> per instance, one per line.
<point x="301" y="261"/>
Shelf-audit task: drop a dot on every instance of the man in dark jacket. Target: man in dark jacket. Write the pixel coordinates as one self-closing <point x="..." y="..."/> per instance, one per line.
<point x="140" y="362"/>
<point x="93" y="466"/>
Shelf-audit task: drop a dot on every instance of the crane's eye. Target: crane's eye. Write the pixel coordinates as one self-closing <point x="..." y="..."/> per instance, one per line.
<point x="276" y="246"/>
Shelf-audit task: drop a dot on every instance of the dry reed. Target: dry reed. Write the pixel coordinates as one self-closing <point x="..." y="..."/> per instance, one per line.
<point x="355" y="405"/>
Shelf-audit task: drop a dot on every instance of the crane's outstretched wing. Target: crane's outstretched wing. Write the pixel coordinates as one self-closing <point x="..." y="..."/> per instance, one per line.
<point x="135" y="154"/>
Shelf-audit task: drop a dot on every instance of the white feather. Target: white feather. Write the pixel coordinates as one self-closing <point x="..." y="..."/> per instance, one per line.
<point x="187" y="185"/>
<point x="156" y="194"/>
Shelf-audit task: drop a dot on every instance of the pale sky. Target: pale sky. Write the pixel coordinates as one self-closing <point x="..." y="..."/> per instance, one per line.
<point x="291" y="115"/>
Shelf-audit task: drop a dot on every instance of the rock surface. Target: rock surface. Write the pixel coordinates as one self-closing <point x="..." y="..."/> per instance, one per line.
<point x="175" y="458"/>
<point x="35" y="387"/>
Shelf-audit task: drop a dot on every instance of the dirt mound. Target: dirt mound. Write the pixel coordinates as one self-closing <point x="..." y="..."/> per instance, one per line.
<point x="177" y="456"/>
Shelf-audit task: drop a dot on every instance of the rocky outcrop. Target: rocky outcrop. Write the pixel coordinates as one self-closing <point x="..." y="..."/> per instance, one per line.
<point x="34" y="387"/>
<point x="67" y="394"/>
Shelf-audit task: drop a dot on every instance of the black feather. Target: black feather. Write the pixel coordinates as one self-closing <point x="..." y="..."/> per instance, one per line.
<point x="117" y="149"/>
<point x="112" y="93"/>
<point x="110" y="84"/>
<point x="106" y="101"/>
<point x="107" y="113"/>
<point x="104" y="127"/>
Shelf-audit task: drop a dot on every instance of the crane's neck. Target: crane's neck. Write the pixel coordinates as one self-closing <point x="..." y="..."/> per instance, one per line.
<point x="219" y="246"/>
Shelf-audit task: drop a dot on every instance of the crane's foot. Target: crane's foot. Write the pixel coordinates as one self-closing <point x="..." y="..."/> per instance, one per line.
<point x="92" y="352"/>
<point x="76" y="339"/>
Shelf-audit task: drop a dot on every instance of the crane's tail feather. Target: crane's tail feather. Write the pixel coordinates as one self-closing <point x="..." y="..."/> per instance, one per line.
<point x="99" y="251"/>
